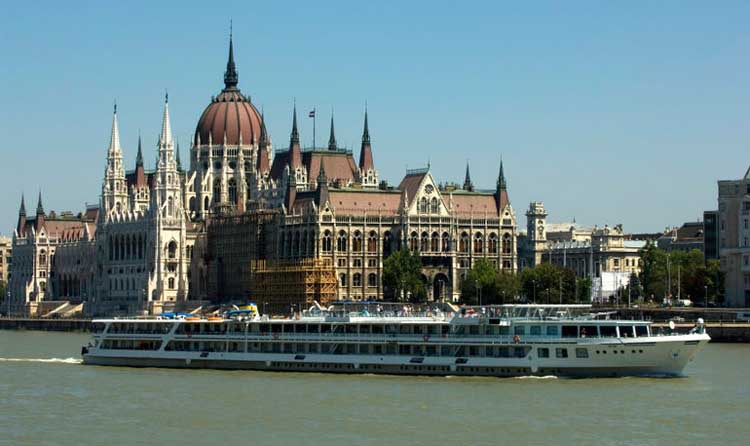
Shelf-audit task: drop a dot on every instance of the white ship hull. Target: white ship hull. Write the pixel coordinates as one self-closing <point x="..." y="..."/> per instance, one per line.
<point x="605" y="357"/>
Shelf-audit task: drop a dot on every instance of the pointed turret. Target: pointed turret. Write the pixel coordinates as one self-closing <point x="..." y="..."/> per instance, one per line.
<point x="501" y="184"/>
<point x="365" y="153"/>
<point x="177" y="156"/>
<point x="467" y="179"/>
<point x="39" y="213"/>
<point x="20" y="228"/>
<point x="262" y="164"/>
<point x="139" y="156"/>
<point x="165" y="139"/>
<point x="114" y="141"/>
<point x="332" y="138"/>
<point x="295" y="152"/>
<point x="321" y="193"/>
<point x="231" y="78"/>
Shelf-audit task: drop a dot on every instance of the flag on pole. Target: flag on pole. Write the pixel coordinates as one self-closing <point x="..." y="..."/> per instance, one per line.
<point x="312" y="113"/>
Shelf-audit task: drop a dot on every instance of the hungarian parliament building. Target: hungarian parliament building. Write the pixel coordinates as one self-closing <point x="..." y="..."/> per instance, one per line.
<point x="245" y="222"/>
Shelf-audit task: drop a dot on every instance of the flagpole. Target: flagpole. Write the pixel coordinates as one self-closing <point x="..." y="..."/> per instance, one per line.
<point x="314" y="128"/>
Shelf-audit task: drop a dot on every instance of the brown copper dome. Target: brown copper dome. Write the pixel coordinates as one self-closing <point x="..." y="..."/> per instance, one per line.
<point x="230" y="114"/>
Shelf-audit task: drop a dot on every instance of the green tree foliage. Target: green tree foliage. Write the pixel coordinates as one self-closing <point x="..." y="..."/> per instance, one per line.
<point x="508" y="286"/>
<point x="3" y="290"/>
<point x="402" y="277"/>
<point x="682" y="273"/>
<point x="480" y="280"/>
<point x="552" y="284"/>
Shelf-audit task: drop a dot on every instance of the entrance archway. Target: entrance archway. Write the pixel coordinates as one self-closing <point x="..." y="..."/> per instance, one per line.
<point x="440" y="286"/>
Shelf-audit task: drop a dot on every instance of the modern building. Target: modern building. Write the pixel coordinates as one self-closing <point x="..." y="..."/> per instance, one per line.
<point x="734" y="239"/>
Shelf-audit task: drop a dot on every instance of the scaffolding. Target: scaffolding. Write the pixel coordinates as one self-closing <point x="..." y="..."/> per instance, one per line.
<point x="283" y="286"/>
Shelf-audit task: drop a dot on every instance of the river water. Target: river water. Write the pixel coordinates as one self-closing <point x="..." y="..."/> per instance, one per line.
<point x="48" y="398"/>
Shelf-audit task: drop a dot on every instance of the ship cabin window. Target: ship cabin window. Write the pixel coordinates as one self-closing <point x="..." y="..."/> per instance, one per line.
<point x="377" y="329"/>
<point x="504" y="331"/>
<point x="552" y="330"/>
<point x="569" y="331"/>
<point x="300" y="328"/>
<point x="474" y="329"/>
<point x="264" y="328"/>
<point x="561" y="352"/>
<point x="519" y="330"/>
<point x="364" y="329"/>
<point x="535" y="330"/>
<point x="641" y="330"/>
<point x="325" y="328"/>
<point x="626" y="331"/>
<point x="542" y="352"/>
<point x="582" y="353"/>
<point x="607" y="331"/>
<point x="276" y="328"/>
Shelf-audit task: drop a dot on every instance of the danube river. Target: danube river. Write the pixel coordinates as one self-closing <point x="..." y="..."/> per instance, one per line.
<point x="48" y="398"/>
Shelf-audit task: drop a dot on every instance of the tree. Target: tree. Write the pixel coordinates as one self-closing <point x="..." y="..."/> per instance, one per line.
<point x="3" y="289"/>
<point x="552" y="284"/>
<point x="402" y="276"/>
<point x="480" y="281"/>
<point x="508" y="286"/>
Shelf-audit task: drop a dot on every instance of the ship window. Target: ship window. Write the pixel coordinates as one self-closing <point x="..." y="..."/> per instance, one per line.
<point x="607" y="331"/>
<point x="561" y="352"/>
<point x="552" y="330"/>
<point x="626" y="331"/>
<point x="641" y="330"/>
<point x="582" y="353"/>
<point x="535" y="330"/>
<point x="519" y="330"/>
<point x="569" y="331"/>
<point x="542" y="352"/>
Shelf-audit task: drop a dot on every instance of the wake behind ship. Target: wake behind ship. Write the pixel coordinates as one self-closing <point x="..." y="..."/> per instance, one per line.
<point x="506" y="340"/>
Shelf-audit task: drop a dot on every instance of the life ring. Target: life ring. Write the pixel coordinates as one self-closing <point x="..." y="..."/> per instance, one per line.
<point x="516" y="339"/>
<point x="426" y="338"/>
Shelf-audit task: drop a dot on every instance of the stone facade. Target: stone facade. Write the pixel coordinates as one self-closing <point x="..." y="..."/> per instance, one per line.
<point x="6" y="258"/>
<point x="734" y="239"/>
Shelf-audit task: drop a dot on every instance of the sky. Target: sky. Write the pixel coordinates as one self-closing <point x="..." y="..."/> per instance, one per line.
<point x="608" y="112"/>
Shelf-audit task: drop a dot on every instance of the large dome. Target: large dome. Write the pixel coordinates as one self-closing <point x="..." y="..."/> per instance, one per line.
<point x="230" y="114"/>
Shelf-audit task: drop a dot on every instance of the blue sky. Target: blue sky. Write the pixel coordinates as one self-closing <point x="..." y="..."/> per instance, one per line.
<point x="609" y="112"/>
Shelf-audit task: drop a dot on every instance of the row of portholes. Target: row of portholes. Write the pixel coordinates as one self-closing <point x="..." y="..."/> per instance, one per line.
<point x="622" y="352"/>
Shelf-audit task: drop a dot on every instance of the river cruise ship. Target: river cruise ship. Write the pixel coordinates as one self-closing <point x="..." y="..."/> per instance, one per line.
<point x="506" y="340"/>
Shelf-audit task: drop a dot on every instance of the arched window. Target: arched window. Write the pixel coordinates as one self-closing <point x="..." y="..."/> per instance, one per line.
<point x="446" y="242"/>
<point x="435" y="242"/>
<point x="423" y="205"/>
<point x="372" y="242"/>
<point x="172" y="250"/>
<point x="342" y="279"/>
<point x="492" y="244"/>
<point x="303" y="243"/>
<point x="205" y="204"/>
<point x="413" y="241"/>
<point x="357" y="242"/>
<point x="327" y="244"/>
<point x="372" y="280"/>
<point x="170" y="207"/>
<point x="42" y="258"/>
<point x="128" y="252"/>
<point x="425" y="245"/>
<point x="217" y="191"/>
<point x="341" y="242"/>
<point x="282" y="240"/>
<point x="192" y="204"/>
<point x="463" y="243"/>
<point x="232" y="191"/>
<point x="357" y="279"/>
<point x="171" y="283"/>
<point x="506" y="244"/>
<point x="434" y="207"/>
<point x="296" y="246"/>
<point x="111" y="247"/>
<point x="478" y="243"/>
<point x="387" y="244"/>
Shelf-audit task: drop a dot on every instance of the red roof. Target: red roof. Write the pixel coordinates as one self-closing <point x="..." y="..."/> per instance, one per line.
<point x="232" y="114"/>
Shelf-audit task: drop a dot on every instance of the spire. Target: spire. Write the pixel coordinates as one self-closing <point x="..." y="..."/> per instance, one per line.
<point x="321" y="193"/>
<point x="177" y="156"/>
<point x="262" y="162"/>
<point x="114" y="142"/>
<point x="20" y="227"/>
<point x="366" y="133"/>
<point x="467" y="180"/>
<point x="231" y="77"/>
<point x="22" y="211"/>
<point x="139" y="156"/>
<point x="322" y="179"/>
<point x="365" y="153"/>
<point x="295" y="133"/>
<point x="39" y="207"/>
<point x="501" y="184"/>
<point x="166" y="129"/>
<point x="332" y="138"/>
